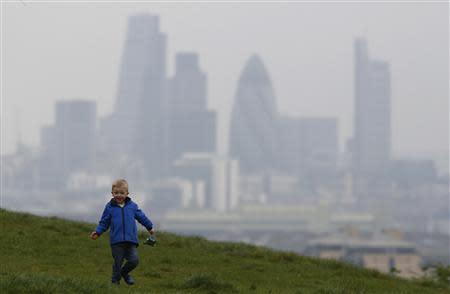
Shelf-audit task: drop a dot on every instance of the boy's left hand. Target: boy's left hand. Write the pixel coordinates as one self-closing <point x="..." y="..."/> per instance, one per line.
<point x="151" y="232"/>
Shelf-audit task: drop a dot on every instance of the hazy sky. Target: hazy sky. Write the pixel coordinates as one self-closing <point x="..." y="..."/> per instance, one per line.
<point x="64" y="51"/>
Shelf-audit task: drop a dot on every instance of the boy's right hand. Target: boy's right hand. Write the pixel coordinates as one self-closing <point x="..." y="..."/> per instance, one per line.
<point x="94" y="235"/>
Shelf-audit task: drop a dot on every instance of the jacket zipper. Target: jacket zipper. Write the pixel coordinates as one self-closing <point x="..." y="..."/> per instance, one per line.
<point x="123" y="223"/>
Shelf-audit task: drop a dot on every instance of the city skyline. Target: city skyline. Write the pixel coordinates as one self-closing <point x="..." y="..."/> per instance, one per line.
<point x="316" y="108"/>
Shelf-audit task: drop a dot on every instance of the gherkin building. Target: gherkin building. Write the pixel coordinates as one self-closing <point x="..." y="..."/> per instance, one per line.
<point x="253" y="132"/>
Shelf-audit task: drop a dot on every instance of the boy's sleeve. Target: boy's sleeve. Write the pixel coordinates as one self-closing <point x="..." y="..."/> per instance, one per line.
<point x="105" y="221"/>
<point x="143" y="219"/>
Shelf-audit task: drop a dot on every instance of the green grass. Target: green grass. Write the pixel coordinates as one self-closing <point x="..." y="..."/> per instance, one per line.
<point x="52" y="255"/>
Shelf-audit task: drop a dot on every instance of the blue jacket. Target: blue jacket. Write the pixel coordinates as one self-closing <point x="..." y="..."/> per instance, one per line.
<point x="122" y="222"/>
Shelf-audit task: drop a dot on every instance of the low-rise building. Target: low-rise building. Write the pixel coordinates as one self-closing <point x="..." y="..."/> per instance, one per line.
<point x="382" y="253"/>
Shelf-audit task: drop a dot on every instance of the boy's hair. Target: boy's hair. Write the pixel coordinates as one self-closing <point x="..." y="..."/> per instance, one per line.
<point x="120" y="183"/>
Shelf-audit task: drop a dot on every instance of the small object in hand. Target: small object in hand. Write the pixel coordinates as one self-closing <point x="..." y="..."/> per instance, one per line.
<point x="150" y="241"/>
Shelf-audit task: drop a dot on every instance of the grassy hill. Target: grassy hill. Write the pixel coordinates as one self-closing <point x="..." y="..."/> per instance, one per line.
<point x="52" y="255"/>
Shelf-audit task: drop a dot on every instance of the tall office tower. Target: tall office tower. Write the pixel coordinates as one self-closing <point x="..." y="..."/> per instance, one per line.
<point x="292" y="155"/>
<point x="137" y="126"/>
<point x="372" y="121"/>
<point x="219" y="176"/>
<point x="192" y="128"/>
<point x="188" y="86"/>
<point x="253" y="133"/>
<point x="310" y="148"/>
<point x="69" y="145"/>
<point x="193" y="131"/>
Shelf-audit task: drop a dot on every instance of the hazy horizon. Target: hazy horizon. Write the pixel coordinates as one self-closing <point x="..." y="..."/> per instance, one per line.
<point x="49" y="55"/>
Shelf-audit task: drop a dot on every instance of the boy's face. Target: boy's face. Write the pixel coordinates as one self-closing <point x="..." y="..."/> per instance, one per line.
<point x="119" y="194"/>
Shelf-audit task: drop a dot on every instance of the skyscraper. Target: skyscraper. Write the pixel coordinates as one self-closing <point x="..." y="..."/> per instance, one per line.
<point x="69" y="145"/>
<point x="188" y="86"/>
<point x="372" y="121"/>
<point x="138" y="124"/>
<point x="192" y="128"/>
<point x="309" y="143"/>
<point x="191" y="131"/>
<point x="253" y="133"/>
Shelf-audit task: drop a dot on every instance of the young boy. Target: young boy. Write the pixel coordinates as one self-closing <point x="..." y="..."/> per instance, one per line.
<point x="120" y="214"/>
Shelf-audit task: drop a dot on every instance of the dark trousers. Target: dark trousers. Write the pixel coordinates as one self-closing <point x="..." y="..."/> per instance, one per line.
<point x="120" y="252"/>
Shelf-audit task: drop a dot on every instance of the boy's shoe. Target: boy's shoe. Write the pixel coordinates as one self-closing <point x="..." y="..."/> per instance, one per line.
<point x="115" y="283"/>
<point x="128" y="279"/>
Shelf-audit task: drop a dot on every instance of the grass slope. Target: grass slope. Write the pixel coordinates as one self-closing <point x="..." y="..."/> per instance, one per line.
<point x="52" y="255"/>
